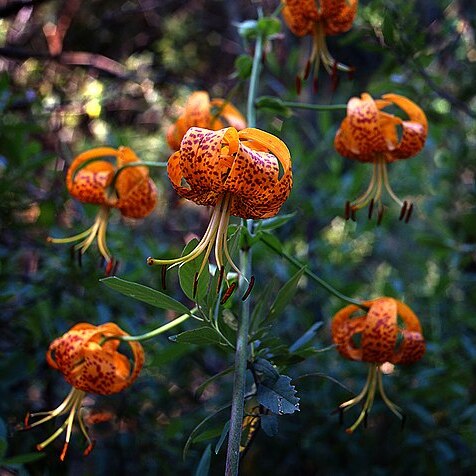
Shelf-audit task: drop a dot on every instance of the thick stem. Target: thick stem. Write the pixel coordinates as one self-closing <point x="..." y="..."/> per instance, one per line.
<point x="241" y="353"/>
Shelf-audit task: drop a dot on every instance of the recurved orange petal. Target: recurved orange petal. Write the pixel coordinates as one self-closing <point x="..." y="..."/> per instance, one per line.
<point x="89" y="184"/>
<point x="380" y="334"/>
<point x="136" y="192"/>
<point x="412" y="347"/>
<point x="414" y="131"/>
<point x="343" y="328"/>
<point x="225" y="110"/>
<point x="300" y="16"/>
<point x="338" y="15"/>
<point x="197" y="109"/>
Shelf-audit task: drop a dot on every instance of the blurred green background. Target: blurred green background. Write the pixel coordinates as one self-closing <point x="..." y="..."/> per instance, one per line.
<point x="117" y="76"/>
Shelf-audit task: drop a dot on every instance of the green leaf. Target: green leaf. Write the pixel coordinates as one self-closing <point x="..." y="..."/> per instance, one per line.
<point x="200" y="336"/>
<point x="243" y="66"/>
<point x="145" y="294"/>
<point x="273" y="104"/>
<point x="188" y="271"/>
<point x="274" y="222"/>
<point x="306" y="337"/>
<point x="279" y="395"/>
<point x="196" y="430"/>
<point x="224" y="433"/>
<point x="204" y="465"/>
<point x="200" y="389"/>
<point x="285" y="295"/>
<point x="269" y="26"/>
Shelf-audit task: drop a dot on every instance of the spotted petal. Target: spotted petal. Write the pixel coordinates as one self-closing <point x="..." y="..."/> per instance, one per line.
<point x="338" y="15"/>
<point x="89" y="366"/>
<point x="89" y="184"/>
<point x="300" y="16"/>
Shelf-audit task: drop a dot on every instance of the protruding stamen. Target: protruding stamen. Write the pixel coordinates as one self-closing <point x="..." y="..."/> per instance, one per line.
<point x="403" y="211"/>
<point x="89" y="448"/>
<point x="163" y="275"/>
<point x="409" y="213"/>
<point x="347" y="210"/>
<point x="150" y="261"/>
<point x="26" y="421"/>
<point x="249" y="289"/>
<point x="195" y="285"/>
<point x="371" y="208"/>
<point x="110" y="265"/>
<point x="220" y="278"/>
<point x="228" y="293"/>
<point x="63" y="453"/>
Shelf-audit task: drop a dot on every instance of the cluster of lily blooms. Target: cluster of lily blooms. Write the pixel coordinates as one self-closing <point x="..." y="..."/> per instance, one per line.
<point x="244" y="172"/>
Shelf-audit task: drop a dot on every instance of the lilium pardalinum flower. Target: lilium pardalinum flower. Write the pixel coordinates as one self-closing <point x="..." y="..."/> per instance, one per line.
<point x="382" y="339"/>
<point x="92" y="180"/>
<point x="368" y="134"/>
<point x="91" y="363"/>
<point x="320" y="18"/>
<point x="245" y="174"/>
<point x="202" y="112"/>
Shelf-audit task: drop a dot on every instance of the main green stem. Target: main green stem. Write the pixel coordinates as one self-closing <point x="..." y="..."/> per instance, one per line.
<point x="241" y="353"/>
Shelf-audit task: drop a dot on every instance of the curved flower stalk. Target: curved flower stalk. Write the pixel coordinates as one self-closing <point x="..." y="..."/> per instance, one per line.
<point x="382" y="339"/>
<point x="320" y="19"/>
<point x="245" y="174"/>
<point x="202" y="112"/>
<point x="89" y="363"/>
<point x="90" y="179"/>
<point x="368" y="134"/>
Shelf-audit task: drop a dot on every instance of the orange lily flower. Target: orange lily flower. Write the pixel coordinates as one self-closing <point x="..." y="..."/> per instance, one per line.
<point x="369" y="134"/>
<point x="200" y="111"/>
<point x="382" y="340"/>
<point x="131" y="191"/>
<point x="246" y="174"/>
<point x="319" y="19"/>
<point x="89" y="359"/>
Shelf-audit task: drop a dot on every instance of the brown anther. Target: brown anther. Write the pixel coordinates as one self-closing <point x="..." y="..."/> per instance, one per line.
<point x="220" y="278"/>
<point x="63" y="453"/>
<point x="150" y="261"/>
<point x="298" y="85"/>
<point x="409" y="213"/>
<point x="249" y="289"/>
<point x="89" y="448"/>
<point x="315" y="85"/>
<point x="403" y="211"/>
<point x="371" y="208"/>
<point x="347" y="210"/>
<point x="228" y="293"/>
<point x="334" y="77"/>
<point x="195" y="285"/>
<point x="307" y="70"/>
<point x="26" y="421"/>
<point x="164" y="275"/>
<point x="110" y="267"/>
<point x="380" y="214"/>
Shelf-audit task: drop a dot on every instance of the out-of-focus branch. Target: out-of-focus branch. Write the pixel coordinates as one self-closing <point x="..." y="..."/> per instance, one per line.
<point x="77" y="58"/>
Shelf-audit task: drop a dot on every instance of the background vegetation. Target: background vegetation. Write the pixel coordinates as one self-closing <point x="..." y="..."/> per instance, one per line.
<point x="117" y="76"/>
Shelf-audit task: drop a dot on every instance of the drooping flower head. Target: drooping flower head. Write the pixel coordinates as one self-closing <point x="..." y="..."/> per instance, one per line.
<point x="319" y="18"/>
<point x="202" y="112"/>
<point x="369" y="134"/>
<point x="388" y="333"/>
<point x="245" y="174"/>
<point x="90" y="179"/>
<point x="90" y="363"/>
